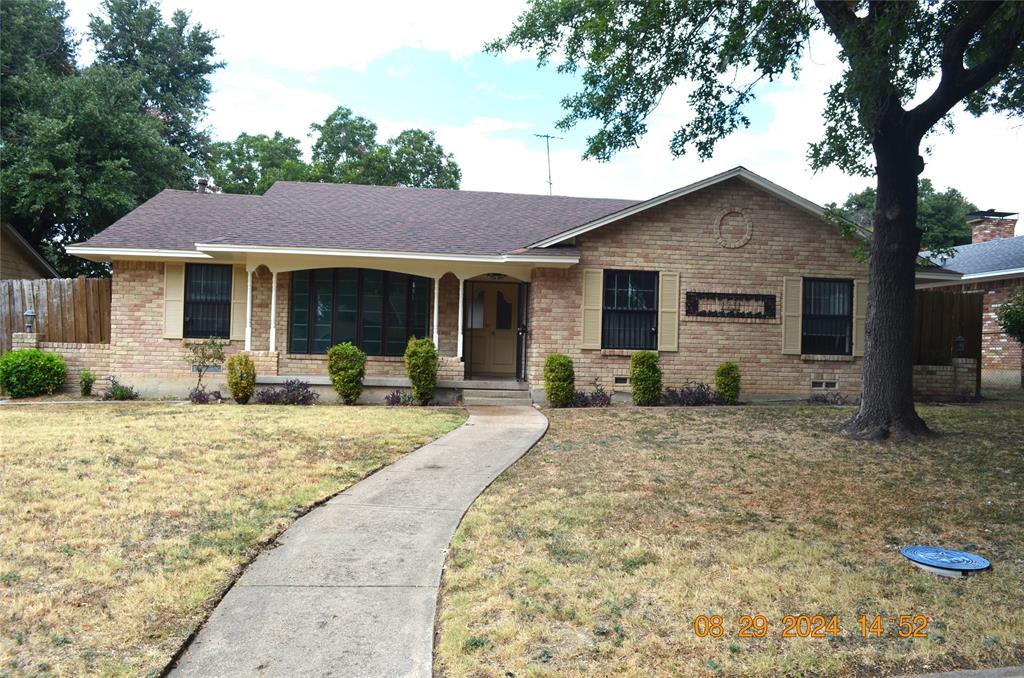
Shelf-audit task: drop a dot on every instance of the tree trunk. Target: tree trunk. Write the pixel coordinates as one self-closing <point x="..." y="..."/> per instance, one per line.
<point x="887" y="404"/>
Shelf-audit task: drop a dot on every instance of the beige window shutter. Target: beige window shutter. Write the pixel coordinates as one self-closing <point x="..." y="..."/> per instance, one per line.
<point x="239" y="285"/>
<point x="668" y="311"/>
<point x="792" y="314"/>
<point x="593" y="290"/>
<point x="174" y="300"/>
<point x="860" y="315"/>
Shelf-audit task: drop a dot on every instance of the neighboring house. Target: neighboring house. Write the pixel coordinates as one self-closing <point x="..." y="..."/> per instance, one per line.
<point x="19" y="260"/>
<point x="731" y="268"/>
<point x="993" y="265"/>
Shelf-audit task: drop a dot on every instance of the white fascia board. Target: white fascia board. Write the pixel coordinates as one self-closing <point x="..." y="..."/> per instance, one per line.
<point x="104" y="253"/>
<point x="386" y="254"/>
<point x="736" y="172"/>
<point x="987" y="276"/>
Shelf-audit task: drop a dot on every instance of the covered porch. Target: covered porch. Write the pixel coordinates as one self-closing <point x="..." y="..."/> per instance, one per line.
<point x="475" y="309"/>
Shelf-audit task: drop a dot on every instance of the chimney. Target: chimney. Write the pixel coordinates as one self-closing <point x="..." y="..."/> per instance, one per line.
<point x="991" y="225"/>
<point x="202" y="186"/>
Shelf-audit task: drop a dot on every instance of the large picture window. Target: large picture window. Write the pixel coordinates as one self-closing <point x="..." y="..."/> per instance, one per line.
<point x="207" y="301"/>
<point x="378" y="311"/>
<point x="827" y="317"/>
<point x="630" y="311"/>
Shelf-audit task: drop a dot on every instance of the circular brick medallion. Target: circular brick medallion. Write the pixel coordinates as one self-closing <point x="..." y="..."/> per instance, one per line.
<point x="733" y="229"/>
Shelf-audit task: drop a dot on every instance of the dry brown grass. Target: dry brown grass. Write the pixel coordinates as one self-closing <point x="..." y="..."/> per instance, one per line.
<point x="121" y="525"/>
<point x="593" y="555"/>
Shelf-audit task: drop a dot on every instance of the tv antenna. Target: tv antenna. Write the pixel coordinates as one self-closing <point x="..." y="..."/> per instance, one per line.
<point x="547" y="143"/>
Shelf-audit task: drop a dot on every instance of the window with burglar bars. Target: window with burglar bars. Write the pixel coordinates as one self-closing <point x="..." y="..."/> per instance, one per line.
<point x="827" y="317"/>
<point x="207" y="301"/>
<point x="630" y="316"/>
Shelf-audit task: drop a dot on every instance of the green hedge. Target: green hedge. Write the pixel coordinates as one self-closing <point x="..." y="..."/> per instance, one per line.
<point x="645" y="378"/>
<point x="346" y="365"/>
<point x="559" y="380"/>
<point x="241" y="378"/>
<point x="421" y="368"/>
<point x="30" y="372"/>
<point x="727" y="382"/>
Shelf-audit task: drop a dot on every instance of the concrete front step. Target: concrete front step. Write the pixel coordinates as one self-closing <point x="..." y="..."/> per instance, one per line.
<point x="499" y="402"/>
<point x="494" y="393"/>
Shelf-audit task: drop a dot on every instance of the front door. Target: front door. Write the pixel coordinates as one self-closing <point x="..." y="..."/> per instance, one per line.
<point x="493" y="315"/>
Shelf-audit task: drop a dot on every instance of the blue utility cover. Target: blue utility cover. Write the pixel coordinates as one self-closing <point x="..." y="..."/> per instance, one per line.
<point x="946" y="562"/>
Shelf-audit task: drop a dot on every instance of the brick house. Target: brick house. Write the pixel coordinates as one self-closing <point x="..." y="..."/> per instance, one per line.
<point x="992" y="265"/>
<point x="733" y="267"/>
<point x="19" y="260"/>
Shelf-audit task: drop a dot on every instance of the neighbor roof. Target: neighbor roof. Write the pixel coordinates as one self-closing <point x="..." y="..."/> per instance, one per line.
<point x="353" y="217"/>
<point x="993" y="257"/>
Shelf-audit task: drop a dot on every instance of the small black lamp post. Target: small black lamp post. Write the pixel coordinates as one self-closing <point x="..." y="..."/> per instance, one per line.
<point x="959" y="346"/>
<point x="30" y="320"/>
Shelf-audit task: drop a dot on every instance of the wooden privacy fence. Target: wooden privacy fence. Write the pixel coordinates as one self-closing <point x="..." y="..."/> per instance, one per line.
<point x="940" y="317"/>
<point x="73" y="310"/>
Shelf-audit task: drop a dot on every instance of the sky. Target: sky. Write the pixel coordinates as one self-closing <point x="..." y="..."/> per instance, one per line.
<point x="422" y="64"/>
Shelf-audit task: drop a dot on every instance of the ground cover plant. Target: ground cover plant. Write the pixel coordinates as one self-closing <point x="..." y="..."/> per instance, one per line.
<point x="120" y="531"/>
<point x="596" y="552"/>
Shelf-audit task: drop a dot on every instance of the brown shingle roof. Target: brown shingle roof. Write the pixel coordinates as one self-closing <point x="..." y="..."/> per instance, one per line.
<point x="176" y="220"/>
<point x="353" y="217"/>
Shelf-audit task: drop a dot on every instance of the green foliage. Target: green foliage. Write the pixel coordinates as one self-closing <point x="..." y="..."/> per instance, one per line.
<point x="559" y="380"/>
<point x="119" y="391"/>
<point x="346" y="151"/>
<point x="1011" y="315"/>
<point x="85" y="381"/>
<point x="941" y="216"/>
<point x="203" y="355"/>
<point x="727" y="382"/>
<point x="171" y="63"/>
<point x="241" y="378"/>
<point x="645" y="378"/>
<point x="346" y="365"/>
<point x="421" y="368"/>
<point x="30" y="372"/>
<point x="253" y="162"/>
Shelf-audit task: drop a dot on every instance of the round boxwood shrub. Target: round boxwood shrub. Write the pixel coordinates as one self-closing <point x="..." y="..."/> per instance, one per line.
<point x="241" y="378"/>
<point x="559" y="380"/>
<point x="30" y="372"/>
<point x="346" y="365"/>
<point x="727" y="382"/>
<point x="421" y="368"/>
<point x="645" y="378"/>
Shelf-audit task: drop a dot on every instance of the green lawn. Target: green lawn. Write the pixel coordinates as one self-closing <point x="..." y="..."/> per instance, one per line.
<point x="594" y="555"/>
<point x="122" y="525"/>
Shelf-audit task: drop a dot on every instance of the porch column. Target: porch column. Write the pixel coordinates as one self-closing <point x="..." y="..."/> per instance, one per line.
<point x="458" y="352"/>
<point x="273" y="311"/>
<point x="248" y="308"/>
<point x="437" y="296"/>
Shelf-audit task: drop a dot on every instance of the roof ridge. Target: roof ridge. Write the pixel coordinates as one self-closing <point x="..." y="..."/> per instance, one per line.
<point x="447" y="190"/>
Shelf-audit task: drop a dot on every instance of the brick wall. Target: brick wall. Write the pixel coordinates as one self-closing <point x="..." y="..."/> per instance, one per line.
<point x="683" y="236"/>
<point x="944" y="382"/>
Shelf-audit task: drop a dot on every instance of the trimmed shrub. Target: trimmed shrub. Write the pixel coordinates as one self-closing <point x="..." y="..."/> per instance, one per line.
<point x="421" y="368"/>
<point x="119" y="391"/>
<point x="727" y="382"/>
<point x="559" y="380"/>
<point x="291" y="392"/>
<point x="346" y="365"/>
<point x="692" y="393"/>
<point x="241" y="378"/>
<point x="30" y="372"/>
<point x="645" y="378"/>
<point x="85" y="381"/>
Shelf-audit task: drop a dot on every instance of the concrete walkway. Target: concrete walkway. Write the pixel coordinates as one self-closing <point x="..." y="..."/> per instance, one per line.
<point x="352" y="588"/>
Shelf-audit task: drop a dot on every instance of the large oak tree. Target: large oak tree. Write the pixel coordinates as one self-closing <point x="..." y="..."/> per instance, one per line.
<point x="966" y="53"/>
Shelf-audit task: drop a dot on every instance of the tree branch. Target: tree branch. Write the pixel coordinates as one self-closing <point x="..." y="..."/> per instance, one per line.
<point x="838" y="17"/>
<point x="957" y="82"/>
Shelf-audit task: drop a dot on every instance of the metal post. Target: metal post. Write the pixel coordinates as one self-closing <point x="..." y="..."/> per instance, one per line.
<point x="248" y="309"/>
<point x="437" y="297"/>
<point x="461" y="294"/>
<point x="273" y="310"/>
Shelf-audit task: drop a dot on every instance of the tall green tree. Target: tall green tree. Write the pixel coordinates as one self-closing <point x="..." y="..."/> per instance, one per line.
<point x="253" y="162"/>
<point x="346" y="151"/>
<point x="80" y="157"/>
<point x="631" y="52"/>
<point x="941" y="215"/>
<point x="172" y="62"/>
